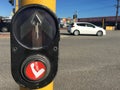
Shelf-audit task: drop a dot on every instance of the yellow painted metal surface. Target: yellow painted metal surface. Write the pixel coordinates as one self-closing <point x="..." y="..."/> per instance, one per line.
<point x="17" y="5"/>
<point x="49" y="87"/>
<point x="51" y="4"/>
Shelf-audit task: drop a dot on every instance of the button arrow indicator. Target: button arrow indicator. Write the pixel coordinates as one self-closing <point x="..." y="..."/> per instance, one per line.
<point x="36" y="22"/>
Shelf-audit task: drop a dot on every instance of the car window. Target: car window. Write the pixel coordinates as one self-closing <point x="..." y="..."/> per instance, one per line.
<point x="81" y="24"/>
<point x="89" y="25"/>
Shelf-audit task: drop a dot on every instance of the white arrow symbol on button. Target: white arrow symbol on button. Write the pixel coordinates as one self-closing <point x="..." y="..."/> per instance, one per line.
<point x="37" y="74"/>
<point x="36" y="22"/>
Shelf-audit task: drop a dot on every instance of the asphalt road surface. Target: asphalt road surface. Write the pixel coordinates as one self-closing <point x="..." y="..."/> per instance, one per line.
<point x="85" y="63"/>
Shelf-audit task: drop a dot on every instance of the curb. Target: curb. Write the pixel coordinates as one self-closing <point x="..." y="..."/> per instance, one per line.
<point x="4" y="35"/>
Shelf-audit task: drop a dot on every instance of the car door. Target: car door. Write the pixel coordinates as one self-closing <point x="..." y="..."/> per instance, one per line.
<point x="81" y="28"/>
<point x="90" y="29"/>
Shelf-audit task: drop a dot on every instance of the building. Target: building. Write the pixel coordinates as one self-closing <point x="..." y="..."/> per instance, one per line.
<point x="105" y="22"/>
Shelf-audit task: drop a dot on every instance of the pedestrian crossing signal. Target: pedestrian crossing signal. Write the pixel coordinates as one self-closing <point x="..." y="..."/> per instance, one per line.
<point x="34" y="46"/>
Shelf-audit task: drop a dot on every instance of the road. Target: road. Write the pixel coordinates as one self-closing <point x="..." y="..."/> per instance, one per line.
<point x="85" y="63"/>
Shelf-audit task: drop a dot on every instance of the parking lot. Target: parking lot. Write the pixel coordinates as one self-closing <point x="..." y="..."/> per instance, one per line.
<point x="85" y="63"/>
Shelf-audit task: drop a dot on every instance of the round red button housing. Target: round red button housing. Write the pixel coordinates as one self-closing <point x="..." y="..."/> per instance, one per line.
<point x="35" y="70"/>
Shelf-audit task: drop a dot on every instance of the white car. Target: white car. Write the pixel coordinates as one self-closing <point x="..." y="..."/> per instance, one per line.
<point x="78" y="28"/>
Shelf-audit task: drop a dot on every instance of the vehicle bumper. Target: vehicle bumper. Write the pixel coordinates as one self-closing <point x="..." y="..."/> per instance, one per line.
<point x="104" y="33"/>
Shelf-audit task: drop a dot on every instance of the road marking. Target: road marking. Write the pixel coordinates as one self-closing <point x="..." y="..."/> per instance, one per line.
<point x="64" y="36"/>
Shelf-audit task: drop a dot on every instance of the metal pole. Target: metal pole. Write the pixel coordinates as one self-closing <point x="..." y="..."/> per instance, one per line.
<point x="49" y="87"/>
<point x="17" y="5"/>
<point x="51" y="4"/>
<point x="117" y="11"/>
<point x="103" y="23"/>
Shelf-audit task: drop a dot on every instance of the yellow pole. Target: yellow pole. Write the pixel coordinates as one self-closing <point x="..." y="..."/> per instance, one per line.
<point x="17" y="5"/>
<point x="51" y="4"/>
<point x="48" y="87"/>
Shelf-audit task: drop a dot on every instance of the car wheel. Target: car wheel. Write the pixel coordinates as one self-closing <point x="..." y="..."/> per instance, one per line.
<point x="99" y="33"/>
<point x="4" y="29"/>
<point x="76" y="33"/>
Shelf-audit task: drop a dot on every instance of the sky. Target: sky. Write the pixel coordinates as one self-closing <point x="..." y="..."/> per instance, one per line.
<point x="66" y="8"/>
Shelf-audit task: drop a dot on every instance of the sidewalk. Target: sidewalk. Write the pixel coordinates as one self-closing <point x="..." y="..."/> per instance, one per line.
<point x="4" y="35"/>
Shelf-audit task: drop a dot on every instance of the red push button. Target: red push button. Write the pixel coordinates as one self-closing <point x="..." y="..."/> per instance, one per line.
<point x="35" y="70"/>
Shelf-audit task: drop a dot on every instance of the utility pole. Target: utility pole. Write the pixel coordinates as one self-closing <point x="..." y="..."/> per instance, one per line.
<point x="75" y="16"/>
<point x="117" y="12"/>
